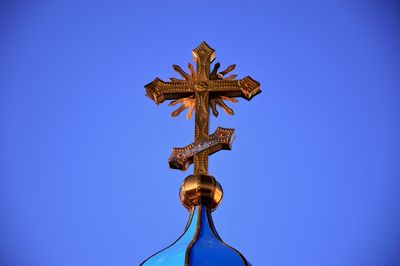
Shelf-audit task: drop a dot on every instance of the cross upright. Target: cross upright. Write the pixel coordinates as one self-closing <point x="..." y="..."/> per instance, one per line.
<point x="200" y="90"/>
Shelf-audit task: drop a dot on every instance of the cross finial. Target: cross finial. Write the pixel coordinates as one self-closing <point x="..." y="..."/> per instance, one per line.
<point x="198" y="91"/>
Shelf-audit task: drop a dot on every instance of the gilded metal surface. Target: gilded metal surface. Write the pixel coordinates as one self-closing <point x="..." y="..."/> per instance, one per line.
<point x="221" y="139"/>
<point x="198" y="91"/>
<point x="201" y="189"/>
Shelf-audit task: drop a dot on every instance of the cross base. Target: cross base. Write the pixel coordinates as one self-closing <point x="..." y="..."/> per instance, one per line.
<point x="201" y="189"/>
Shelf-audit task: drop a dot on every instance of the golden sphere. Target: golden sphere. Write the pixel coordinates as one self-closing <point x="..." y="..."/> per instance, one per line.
<point x="200" y="189"/>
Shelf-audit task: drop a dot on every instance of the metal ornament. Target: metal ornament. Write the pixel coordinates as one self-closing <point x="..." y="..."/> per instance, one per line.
<point x="198" y="91"/>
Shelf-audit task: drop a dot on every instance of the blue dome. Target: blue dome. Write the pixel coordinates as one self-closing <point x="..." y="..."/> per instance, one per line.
<point x="199" y="245"/>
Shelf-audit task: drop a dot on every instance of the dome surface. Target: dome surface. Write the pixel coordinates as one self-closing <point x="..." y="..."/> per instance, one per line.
<point x="199" y="245"/>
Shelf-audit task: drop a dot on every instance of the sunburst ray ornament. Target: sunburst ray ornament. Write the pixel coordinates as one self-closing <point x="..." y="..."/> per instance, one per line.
<point x="190" y="102"/>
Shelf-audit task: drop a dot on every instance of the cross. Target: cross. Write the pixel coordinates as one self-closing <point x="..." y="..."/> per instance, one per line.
<point x="200" y="90"/>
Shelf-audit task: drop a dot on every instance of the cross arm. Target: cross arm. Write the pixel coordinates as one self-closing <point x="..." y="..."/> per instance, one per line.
<point x="159" y="90"/>
<point x="246" y="88"/>
<point x="221" y="139"/>
<point x="203" y="56"/>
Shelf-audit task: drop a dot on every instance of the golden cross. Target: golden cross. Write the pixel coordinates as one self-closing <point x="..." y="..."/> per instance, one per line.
<point x="200" y="90"/>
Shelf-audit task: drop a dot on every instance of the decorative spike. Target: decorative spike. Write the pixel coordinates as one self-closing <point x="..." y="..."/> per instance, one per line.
<point x="231" y="77"/>
<point x="173" y="103"/>
<point x="230" y="99"/>
<point x="180" y="71"/>
<point x="178" y="111"/>
<point x="224" y="107"/>
<point x="213" y="106"/>
<point x="190" y="112"/>
<point x="213" y="74"/>
<point x="228" y="69"/>
<point x="192" y="72"/>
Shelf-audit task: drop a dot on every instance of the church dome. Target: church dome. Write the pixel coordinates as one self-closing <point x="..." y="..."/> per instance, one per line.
<point x="199" y="245"/>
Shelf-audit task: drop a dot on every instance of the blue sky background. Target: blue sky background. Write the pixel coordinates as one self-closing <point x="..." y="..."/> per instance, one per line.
<point x="313" y="177"/>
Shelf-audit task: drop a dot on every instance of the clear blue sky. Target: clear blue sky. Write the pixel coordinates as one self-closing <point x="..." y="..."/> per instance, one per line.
<point x="314" y="175"/>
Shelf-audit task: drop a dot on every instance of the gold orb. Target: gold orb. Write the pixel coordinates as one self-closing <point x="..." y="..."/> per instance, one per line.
<point x="200" y="189"/>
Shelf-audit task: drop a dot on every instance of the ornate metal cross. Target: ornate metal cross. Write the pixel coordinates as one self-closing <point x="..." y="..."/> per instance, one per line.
<point x="198" y="91"/>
